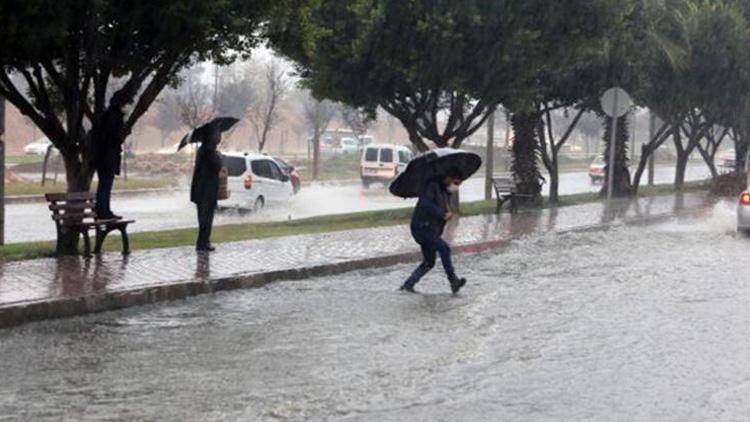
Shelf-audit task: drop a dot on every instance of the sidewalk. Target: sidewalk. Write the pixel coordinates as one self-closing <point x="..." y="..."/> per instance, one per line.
<point x="51" y="288"/>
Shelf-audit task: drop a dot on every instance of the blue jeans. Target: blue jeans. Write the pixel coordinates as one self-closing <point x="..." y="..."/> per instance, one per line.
<point x="432" y="244"/>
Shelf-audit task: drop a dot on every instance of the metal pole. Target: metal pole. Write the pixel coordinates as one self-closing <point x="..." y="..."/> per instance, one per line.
<point x="651" y="158"/>
<point x="612" y="148"/>
<point x="2" y="170"/>
<point x="489" y="161"/>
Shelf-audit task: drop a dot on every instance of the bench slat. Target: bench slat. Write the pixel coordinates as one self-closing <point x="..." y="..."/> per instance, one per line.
<point x="66" y="197"/>
<point x="73" y="216"/>
<point x="72" y="206"/>
<point x="95" y="223"/>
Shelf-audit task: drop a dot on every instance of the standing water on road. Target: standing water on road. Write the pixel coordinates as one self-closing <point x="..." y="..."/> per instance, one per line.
<point x="630" y="323"/>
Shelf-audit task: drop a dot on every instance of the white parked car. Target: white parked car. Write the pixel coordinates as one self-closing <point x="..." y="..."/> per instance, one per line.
<point x="38" y="147"/>
<point x="349" y="146"/>
<point x="382" y="163"/>
<point x="255" y="180"/>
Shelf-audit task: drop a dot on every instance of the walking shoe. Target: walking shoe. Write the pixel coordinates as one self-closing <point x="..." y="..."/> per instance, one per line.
<point x="408" y="289"/>
<point x="457" y="284"/>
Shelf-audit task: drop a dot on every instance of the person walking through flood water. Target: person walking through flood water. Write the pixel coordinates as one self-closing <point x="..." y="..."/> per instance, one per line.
<point x="427" y="225"/>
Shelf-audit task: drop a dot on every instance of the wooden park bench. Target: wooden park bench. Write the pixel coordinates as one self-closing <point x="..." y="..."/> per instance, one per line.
<point x="506" y="191"/>
<point x="75" y="211"/>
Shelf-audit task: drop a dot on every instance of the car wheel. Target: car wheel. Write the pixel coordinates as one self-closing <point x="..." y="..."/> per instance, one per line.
<point x="365" y="184"/>
<point x="259" y="204"/>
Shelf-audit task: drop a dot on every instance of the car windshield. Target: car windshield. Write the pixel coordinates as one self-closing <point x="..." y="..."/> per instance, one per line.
<point x="283" y="164"/>
<point x="371" y="155"/>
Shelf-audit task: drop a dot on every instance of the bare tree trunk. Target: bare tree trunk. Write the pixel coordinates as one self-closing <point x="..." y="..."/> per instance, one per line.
<point x="316" y="154"/>
<point x="78" y="177"/>
<point x="682" y="157"/>
<point x="416" y="140"/>
<point x="708" y="158"/>
<point x="740" y="151"/>
<point x="554" y="180"/>
<point x="647" y="155"/>
<point x="680" y="170"/>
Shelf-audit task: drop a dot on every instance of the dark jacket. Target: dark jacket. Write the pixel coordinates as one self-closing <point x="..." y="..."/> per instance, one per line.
<point x="205" y="187"/>
<point x="429" y="215"/>
<point x="107" y="149"/>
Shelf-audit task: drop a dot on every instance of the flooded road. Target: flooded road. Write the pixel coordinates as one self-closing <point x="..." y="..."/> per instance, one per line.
<point x="629" y="323"/>
<point x="31" y="222"/>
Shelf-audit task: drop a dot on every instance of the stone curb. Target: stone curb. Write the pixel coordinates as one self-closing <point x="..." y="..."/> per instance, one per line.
<point x="18" y="313"/>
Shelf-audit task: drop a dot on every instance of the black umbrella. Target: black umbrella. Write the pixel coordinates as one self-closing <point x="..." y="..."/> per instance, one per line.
<point x="211" y="131"/>
<point x="435" y="163"/>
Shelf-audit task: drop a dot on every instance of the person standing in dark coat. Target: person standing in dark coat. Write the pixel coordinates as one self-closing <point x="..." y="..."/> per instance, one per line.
<point x="427" y="224"/>
<point x="204" y="190"/>
<point x="107" y="161"/>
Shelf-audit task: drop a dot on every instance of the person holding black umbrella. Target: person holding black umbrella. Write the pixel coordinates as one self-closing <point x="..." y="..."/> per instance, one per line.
<point x="433" y="177"/>
<point x="204" y="189"/>
<point x="427" y="225"/>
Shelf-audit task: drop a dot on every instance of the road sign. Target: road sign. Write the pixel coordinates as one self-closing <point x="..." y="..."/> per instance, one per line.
<point x="616" y="102"/>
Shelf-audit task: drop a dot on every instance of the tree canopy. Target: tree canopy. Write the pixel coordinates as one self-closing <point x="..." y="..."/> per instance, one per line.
<point x="60" y="57"/>
<point x="440" y="67"/>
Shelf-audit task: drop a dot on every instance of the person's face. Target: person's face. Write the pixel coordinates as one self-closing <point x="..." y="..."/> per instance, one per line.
<point x="452" y="181"/>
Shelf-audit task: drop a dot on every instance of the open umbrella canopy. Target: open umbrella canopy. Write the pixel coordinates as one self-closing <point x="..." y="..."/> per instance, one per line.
<point x="211" y="131"/>
<point x="434" y="163"/>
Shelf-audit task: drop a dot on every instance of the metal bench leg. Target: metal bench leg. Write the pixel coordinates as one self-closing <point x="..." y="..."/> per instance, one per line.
<point x="101" y="235"/>
<point x="86" y="244"/>
<point x="125" y="241"/>
<point x="513" y="204"/>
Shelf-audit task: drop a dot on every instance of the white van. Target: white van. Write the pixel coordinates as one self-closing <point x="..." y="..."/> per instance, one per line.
<point x="255" y="180"/>
<point x="382" y="163"/>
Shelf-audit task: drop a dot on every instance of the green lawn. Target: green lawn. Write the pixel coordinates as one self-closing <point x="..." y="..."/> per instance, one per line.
<point x="24" y="159"/>
<point x="324" y="224"/>
<point x="339" y="167"/>
<point x="35" y="188"/>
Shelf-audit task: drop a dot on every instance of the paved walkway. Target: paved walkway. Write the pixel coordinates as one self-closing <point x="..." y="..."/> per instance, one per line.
<point x="48" y="288"/>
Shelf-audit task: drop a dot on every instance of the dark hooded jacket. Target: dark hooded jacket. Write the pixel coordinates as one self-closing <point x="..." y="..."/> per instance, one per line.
<point x="429" y="215"/>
